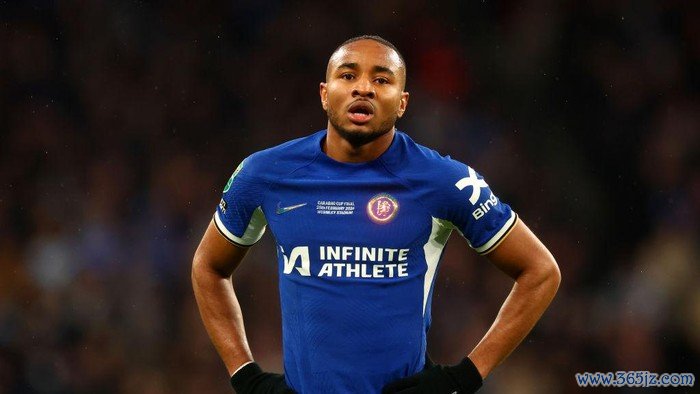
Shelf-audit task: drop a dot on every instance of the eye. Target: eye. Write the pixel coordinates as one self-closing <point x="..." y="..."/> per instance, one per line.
<point x="347" y="76"/>
<point x="382" y="81"/>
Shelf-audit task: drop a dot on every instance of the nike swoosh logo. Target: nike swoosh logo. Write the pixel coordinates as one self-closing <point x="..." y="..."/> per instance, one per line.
<point x="281" y="210"/>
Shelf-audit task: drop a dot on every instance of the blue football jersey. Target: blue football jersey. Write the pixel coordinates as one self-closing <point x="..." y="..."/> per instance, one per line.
<point x="358" y="248"/>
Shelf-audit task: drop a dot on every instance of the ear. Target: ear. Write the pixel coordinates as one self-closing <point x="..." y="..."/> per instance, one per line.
<point x="403" y="104"/>
<point x="323" y="91"/>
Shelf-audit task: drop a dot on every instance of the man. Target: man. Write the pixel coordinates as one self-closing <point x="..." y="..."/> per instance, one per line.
<point x="361" y="214"/>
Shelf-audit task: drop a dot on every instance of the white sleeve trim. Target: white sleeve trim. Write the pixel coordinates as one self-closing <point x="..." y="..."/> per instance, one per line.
<point x="253" y="233"/>
<point x="499" y="236"/>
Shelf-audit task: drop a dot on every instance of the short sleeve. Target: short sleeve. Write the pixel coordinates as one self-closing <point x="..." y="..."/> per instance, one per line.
<point x="239" y="217"/>
<point x="471" y="206"/>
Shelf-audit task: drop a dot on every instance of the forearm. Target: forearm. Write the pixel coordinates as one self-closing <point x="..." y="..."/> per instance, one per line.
<point x="221" y="315"/>
<point x="527" y="301"/>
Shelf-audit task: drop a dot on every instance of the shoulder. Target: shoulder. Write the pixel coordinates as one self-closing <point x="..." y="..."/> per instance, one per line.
<point x="444" y="185"/>
<point x="280" y="160"/>
<point x="420" y="165"/>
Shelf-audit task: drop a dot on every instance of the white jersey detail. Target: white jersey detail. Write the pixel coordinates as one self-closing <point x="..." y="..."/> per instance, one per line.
<point x="437" y="239"/>
<point x="500" y="235"/>
<point x="253" y="233"/>
<point x="476" y="184"/>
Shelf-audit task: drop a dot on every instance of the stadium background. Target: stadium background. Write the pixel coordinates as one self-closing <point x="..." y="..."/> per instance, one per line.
<point x="121" y="122"/>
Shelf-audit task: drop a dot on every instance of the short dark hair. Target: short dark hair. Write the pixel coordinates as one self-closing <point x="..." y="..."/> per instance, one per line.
<point x="380" y="40"/>
<point x="373" y="38"/>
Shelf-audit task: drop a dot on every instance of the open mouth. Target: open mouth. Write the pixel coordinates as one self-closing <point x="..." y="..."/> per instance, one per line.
<point x="360" y="112"/>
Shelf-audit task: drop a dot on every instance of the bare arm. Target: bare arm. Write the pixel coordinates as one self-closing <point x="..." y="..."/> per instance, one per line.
<point x="525" y="259"/>
<point x="214" y="261"/>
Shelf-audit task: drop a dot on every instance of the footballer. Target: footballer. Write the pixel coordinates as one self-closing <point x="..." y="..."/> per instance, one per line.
<point x="360" y="215"/>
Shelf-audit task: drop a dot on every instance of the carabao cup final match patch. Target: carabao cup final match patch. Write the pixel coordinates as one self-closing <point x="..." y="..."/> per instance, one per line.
<point x="382" y="208"/>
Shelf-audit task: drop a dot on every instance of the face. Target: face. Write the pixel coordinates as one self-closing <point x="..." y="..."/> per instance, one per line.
<point x="363" y="93"/>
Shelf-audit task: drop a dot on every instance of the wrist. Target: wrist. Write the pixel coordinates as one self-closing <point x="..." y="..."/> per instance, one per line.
<point x="237" y="360"/>
<point x="241" y="366"/>
<point x="480" y="366"/>
<point x="468" y="375"/>
<point x="244" y="374"/>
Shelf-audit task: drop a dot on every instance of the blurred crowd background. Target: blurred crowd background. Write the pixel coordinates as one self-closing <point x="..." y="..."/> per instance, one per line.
<point x="121" y="121"/>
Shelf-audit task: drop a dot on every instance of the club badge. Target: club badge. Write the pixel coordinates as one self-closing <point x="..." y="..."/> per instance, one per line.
<point x="382" y="208"/>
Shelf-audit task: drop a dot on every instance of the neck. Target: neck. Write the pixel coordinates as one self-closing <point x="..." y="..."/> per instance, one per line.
<point x="339" y="149"/>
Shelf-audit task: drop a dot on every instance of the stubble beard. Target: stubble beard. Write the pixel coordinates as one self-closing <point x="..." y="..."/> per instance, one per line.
<point x="360" y="138"/>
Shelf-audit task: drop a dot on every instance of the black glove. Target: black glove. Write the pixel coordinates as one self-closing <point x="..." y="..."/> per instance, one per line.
<point x="462" y="378"/>
<point x="252" y="380"/>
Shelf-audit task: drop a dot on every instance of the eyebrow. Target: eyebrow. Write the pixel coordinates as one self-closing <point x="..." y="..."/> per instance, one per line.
<point x="355" y="66"/>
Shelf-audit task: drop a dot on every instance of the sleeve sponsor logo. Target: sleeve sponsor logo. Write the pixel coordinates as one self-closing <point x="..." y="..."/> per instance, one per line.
<point x="477" y="184"/>
<point x="485" y="206"/>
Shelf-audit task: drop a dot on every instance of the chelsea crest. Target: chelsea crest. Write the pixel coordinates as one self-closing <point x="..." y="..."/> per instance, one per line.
<point x="382" y="208"/>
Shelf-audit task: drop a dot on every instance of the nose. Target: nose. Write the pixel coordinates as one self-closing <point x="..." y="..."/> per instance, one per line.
<point x="363" y="88"/>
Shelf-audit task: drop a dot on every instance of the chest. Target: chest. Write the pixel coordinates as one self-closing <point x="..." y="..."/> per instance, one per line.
<point x="345" y="212"/>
